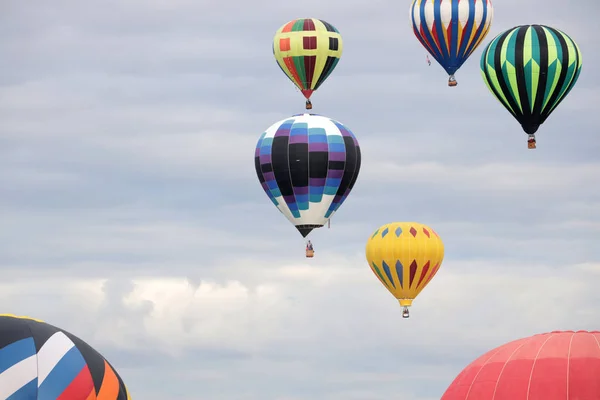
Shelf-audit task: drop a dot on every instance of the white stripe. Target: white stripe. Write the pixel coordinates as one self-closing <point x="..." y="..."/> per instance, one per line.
<point x="415" y="13"/>
<point x="429" y="15"/>
<point x="478" y="15"/>
<point x="446" y="13"/>
<point x="17" y="376"/>
<point x="51" y="353"/>
<point x="463" y="12"/>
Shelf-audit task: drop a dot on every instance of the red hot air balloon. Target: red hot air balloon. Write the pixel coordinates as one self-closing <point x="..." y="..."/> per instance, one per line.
<point x="549" y="366"/>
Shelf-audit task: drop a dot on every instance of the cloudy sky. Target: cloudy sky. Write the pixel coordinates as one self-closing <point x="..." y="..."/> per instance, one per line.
<point x="131" y="214"/>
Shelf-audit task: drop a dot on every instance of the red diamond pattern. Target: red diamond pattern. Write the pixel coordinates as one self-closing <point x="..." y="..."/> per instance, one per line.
<point x="413" y="231"/>
<point x="426" y="232"/>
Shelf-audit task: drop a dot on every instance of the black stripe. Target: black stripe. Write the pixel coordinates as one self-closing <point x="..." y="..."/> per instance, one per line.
<point x="93" y="359"/>
<point x="95" y="363"/>
<point x="328" y="26"/>
<point x="503" y="85"/>
<point x="12" y="330"/>
<point x="487" y="75"/>
<point x="318" y="164"/>
<point x="553" y="103"/>
<point x="326" y="71"/>
<point x="543" y="79"/>
<point x="298" y="159"/>
<point x="337" y="165"/>
<point x="576" y="73"/>
<point x="266" y="168"/>
<point x="520" y="72"/>
<point x="41" y="332"/>
<point x="356" y="168"/>
<point x="258" y="169"/>
<point x="281" y="166"/>
<point x="350" y="168"/>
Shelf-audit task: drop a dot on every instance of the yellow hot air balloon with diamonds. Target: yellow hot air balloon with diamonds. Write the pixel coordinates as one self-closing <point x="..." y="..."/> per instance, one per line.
<point x="405" y="256"/>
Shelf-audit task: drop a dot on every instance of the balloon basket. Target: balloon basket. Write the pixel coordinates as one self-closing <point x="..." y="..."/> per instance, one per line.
<point x="310" y="253"/>
<point x="405" y="313"/>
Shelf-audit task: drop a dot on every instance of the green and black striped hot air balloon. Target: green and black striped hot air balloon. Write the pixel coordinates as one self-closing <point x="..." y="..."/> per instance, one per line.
<point x="531" y="69"/>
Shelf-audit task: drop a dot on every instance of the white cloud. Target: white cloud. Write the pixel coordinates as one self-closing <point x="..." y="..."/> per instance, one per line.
<point x="302" y="309"/>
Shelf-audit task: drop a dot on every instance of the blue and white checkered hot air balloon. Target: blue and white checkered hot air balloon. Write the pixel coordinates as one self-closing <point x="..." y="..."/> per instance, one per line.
<point x="307" y="164"/>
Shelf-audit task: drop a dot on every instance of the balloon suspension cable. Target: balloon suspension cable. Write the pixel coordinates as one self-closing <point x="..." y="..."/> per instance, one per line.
<point x="531" y="142"/>
<point x="405" y="313"/>
<point x="308" y="105"/>
<point x="452" y="81"/>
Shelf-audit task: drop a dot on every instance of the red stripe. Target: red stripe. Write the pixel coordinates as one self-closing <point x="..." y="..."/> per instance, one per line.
<point x="423" y="273"/>
<point x="288" y="26"/>
<point x="80" y="387"/>
<point x="421" y="36"/>
<point x="289" y="62"/>
<point x="435" y="270"/>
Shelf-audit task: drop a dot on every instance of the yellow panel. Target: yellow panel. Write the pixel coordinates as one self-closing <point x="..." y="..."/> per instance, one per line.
<point x="417" y="248"/>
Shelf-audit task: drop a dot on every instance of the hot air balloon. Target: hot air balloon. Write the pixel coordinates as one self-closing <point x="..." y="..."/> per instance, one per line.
<point x="451" y="30"/>
<point x="405" y="256"/>
<point x="531" y="69"/>
<point x="307" y="164"/>
<point x="549" y="366"/>
<point x="307" y="50"/>
<point x="41" y="361"/>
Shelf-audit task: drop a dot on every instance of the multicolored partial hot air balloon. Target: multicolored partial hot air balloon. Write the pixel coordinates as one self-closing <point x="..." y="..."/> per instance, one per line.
<point x="451" y="30"/>
<point x="531" y="69"/>
<point x="41" y="361"/>
<point x="549" y="366"/>
<point x="405" y="256"/>
<point x="307" y="164"/>
<point x="307" y="50"/>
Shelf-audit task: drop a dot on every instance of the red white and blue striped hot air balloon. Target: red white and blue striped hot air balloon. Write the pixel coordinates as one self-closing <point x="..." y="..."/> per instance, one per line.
<point x="41" y="361"/>
<point x="307" y="164"/>
<point x="450" y="30"/>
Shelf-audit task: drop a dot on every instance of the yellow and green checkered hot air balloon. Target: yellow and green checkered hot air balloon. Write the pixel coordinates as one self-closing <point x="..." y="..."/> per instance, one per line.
<point x="531" y="69"/>
<point x="307" y="50"/>
<point x="405" y="256"/>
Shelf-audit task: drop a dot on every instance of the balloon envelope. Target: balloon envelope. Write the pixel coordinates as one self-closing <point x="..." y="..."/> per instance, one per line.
<point x="450" y="30"/>
<point x="550" y="366"/>
<point x="307" y="164"/>
<point x="40" y="361"/>
<point x="405" y="256"/>
<point x="307" y="50"/>
<point x="531" y="69"/>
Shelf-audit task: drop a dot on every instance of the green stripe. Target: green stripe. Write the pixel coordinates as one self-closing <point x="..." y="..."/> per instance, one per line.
<point x="574" y="68"/>
<point x="298" y="25"/>
<point x="555" y="53"/>
<point x="508" y="57"/>
<point x="531" y="57"/>
<point x="493" y="83"/>
<point x="529" y="47"/>
<point x="299" y="63"/>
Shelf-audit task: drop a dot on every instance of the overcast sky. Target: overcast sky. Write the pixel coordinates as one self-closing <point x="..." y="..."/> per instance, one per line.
<point x="131" y="215"/>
